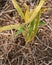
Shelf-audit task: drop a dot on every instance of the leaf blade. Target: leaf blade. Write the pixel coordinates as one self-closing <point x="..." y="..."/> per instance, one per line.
<point x="20" y="30"/>
<point x="17" y="7"/>
<point x="27" y="15"/>
<point x="36" y="10"/>
<point x="28" y="38"/>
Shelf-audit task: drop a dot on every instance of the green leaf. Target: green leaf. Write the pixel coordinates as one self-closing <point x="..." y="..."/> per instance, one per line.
<point x="30" y="31"/>
<point x="20" y="30"/>
<point x="37" y="24"/>
<point x="42" y="23"/>
<point x="17" y="7"/>
<point x="33" y="28"/>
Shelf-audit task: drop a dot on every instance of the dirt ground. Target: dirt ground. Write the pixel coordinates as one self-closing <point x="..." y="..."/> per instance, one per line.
<point x="13" y="50"/>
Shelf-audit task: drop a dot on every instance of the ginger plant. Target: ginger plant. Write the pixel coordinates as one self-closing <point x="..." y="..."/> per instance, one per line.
<point x="31" y="21"/>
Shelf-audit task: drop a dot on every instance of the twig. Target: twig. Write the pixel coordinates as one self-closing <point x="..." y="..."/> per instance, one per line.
<point x="49" y="27"/>
<point x="4" y="12"/>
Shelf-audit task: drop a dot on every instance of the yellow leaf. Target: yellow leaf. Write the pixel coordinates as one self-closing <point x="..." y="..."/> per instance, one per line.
<point x="17" y="7"/>
<point x="9" y="27"/>
<point x="36" y="10"/>
<point x="27" y="15"/>
<point x="26" y="6"/>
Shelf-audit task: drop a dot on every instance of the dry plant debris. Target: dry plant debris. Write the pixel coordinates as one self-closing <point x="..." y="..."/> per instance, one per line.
<point x="13" y="51"/>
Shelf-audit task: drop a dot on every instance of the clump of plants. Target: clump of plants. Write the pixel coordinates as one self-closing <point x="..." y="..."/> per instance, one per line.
<point x="31" y="21"/>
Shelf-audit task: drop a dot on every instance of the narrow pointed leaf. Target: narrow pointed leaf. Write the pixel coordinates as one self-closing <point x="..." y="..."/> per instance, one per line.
<point x="28" y="38"/>
<point x="10" y="27"/>
<point x="37" y="24"/>
<point x="36" y="10"/>
<point x="35" y="29"/>
<point x="17" y="7"/>
<point x="27" y="15"/>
